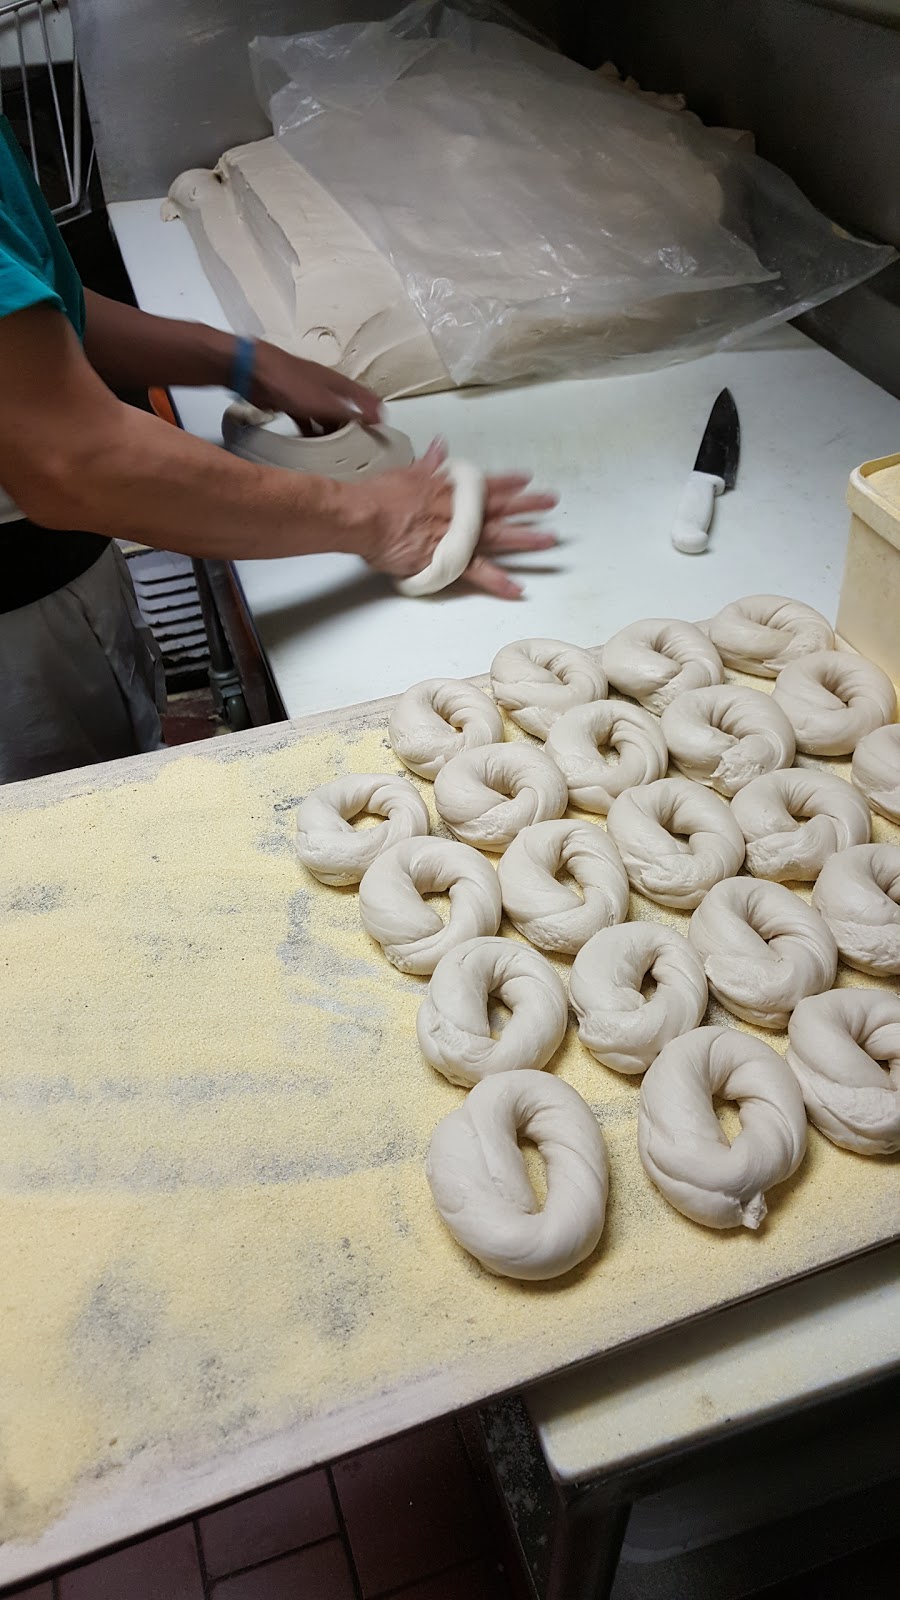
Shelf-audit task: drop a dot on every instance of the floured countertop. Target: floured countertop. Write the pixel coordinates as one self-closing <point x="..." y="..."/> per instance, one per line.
<point x="221" y="1259"/>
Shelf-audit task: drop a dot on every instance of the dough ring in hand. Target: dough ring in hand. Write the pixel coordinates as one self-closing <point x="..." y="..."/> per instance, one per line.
<point x="576" y="741"/>
<point x="454" y="1024"/>
<point x="654" y="660"/>
<point x="615" y="1022"/>
<point x="763" y="949"/>
<point x="410" y="931"/>
<point x="858" y="894"/>
<point x="487" y="796"/>
<point x="682" y="1144"/>
<point x="676" y="839"/>
<point x="845" y="1054"/>
<point x="833" y="699"/>
<point x="439" y="718"/>
<point x="551" y="914"/>
<point x="536" y="680"/>
<point x="337" y="854"/>
<point x="795" y="819"/>
<point x="876" y="770"/>
<point x="726" y="736"/>
<point x="480" y="1183"/>
<point x="764" y="632"/>
<point x="457" y="547"/>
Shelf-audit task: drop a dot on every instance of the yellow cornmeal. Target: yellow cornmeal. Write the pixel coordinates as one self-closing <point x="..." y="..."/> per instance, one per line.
<point x="213" y="1124"/>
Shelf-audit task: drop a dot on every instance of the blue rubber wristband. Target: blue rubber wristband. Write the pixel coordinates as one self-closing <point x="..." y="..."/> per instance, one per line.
<point x="242" y="368"/>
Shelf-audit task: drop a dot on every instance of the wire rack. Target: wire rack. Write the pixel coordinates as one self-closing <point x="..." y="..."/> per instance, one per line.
<point x="40" y="92"/>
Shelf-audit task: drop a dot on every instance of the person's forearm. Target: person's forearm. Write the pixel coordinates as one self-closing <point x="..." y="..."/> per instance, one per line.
<point x="130" y="349"/>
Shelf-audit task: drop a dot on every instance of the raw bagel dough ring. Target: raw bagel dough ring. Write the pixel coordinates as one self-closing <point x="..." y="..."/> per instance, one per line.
<point x="486" y="796"/>
<point x="536" y="680"/>
<point x="763" y="949"/>
<point x="858" y="894"/>
<point x="454" y="1025"/>
<point x="658" y="658"/>
<point x="836" y="1043"/>
<point x="646" y="823"/>
<point x="551" y="914"/>
<point x="438" y="719"/>
<point x="785" y="848"/>
<point x="480" y="1183"/>
<point x="832" y="699"/>
<point x="577" y="738"/>
<point x="876" y="769"/>
<point x="337" y="854"/>
<point x="615" y="1022"/>
<point x="727" y="735"/>
<point x="682" y="1144"/>
<point x="393" y="911"/>
<point x="456" y="548"/>
<point x="762" y="633"/>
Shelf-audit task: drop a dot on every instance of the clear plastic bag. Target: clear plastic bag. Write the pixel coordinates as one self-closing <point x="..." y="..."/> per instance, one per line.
<point x="543" y="221"/>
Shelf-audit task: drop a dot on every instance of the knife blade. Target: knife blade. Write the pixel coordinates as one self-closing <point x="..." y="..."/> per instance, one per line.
<point x="715" y="470"/>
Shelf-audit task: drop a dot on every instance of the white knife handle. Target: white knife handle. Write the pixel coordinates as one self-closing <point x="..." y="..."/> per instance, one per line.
<point x="690" y="531"/>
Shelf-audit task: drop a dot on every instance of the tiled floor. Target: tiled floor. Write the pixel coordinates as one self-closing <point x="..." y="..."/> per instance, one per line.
<point x="414" y="1519"/>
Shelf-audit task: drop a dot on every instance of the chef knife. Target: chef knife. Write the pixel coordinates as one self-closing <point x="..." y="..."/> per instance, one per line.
<point x="715" y="470"/>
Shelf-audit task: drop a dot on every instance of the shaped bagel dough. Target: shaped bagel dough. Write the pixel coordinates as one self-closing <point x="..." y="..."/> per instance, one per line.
<point x="437" y="719"/>
<point x="763" y="949"/>
<point x="659" y="658"/>
<point x="480" y="1183"/>
<point x="845" y="1054"/>
<point x="793" y="820"/>
<point x="727" y="735"/>
<point x="486" y="796"/>
<point x="457" y="547"/>
<point x="454" y="1024"/>
<point x="536" y="680"/>
<point x="764" y="632"/>
<point x="876" y="769"/>
<point x="392" y="909"/>
<point x="682" y="1144"/>
<point x="676" y="840"/>
<point x="833" y="699"/>
<point x="858" y="894"/>
<point x="576" y="742"/>
<point x="338" y="854"/>
<point x="615" y="1022"/>
<point x="551" y="914"/>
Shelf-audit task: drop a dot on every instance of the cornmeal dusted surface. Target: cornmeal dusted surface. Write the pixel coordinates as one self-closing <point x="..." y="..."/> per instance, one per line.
<point x="219" y="1242"/>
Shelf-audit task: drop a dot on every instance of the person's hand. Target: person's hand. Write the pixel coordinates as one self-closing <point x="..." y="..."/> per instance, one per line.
<point x="307" y="392"/>
<point x="405" y="513"/>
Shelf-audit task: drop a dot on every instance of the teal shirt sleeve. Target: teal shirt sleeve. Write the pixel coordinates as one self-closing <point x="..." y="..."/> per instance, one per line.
<point x="35" y="266"/>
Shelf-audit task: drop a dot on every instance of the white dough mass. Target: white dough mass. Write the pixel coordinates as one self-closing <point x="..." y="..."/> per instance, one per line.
<point x="682" y="1144"/>
<point x="727" y="735"/>
<point x="438" y="719"/>
<point x="763" y="949"/>
<point x="876" y="770"/>
<point x="833" y="699"/>
<point x="858" y="894"/>
<point x="676" y="839"/>
<point x="454" y="1023"/>
<point x="845" y="1054"/>
<point x="621" y="1028"/>
<point x="457" y="547"/>
<point x="487" y="795"/>
<point x="762" y="633"/>
<point x="338" y="854"/>
<point x="577" y="742"/>
<point x="658" y="658"/>
<point x="480" y="1183"/>
<point x="536" y="680"/>
<point x="553" y="915"/>
<point x="794" y="820"/>
<point x="411" y="932"/>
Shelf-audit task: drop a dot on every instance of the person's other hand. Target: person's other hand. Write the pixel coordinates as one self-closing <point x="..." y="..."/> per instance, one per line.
<point x="307" y="392"/>
<point x="407" y="512"/>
